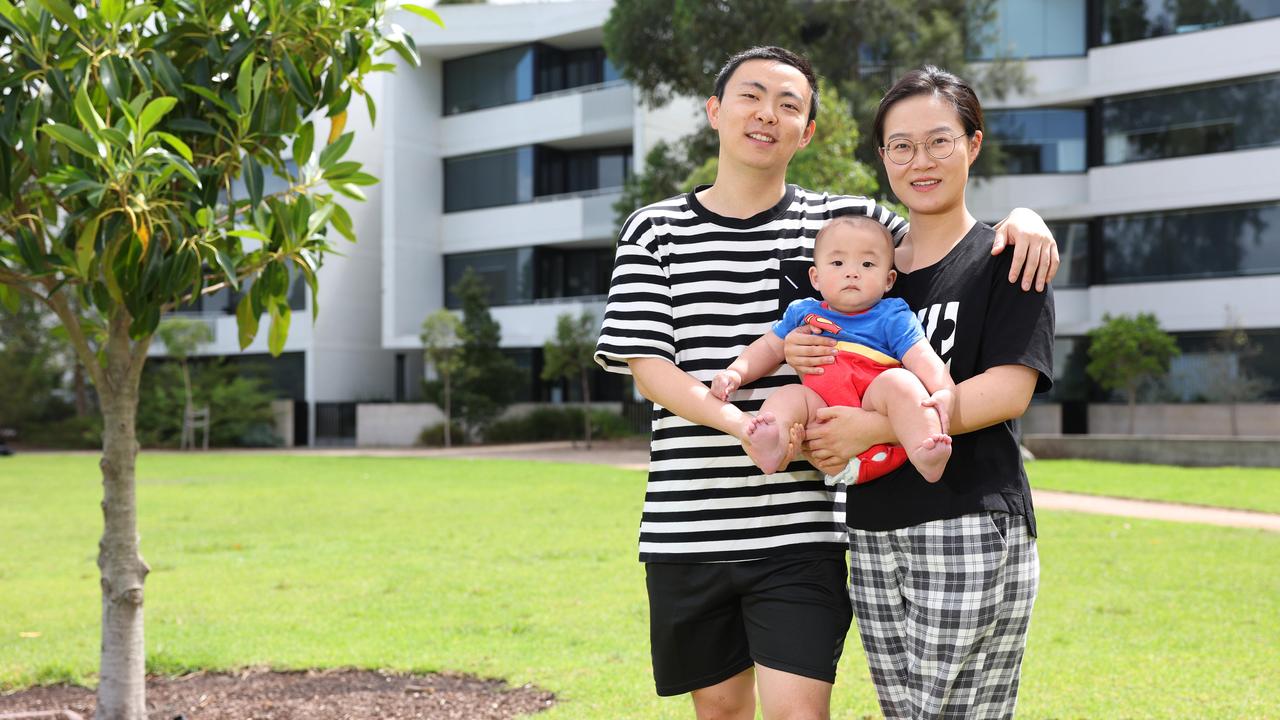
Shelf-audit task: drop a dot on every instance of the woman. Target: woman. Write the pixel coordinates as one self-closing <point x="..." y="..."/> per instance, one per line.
<point x="943" y="576"/>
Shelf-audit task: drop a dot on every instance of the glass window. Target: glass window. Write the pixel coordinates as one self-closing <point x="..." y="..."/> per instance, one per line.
<point x="1191" y="244"/>
<point x="573" y="273"/>
<point x="1070" y="382"/>
<point x="1034" y="29"/>
<point x="489" y="179"/>
<point x="1073" y="247"/>
<point x="1039" y="141"/>
<point x="1212" y="119"/>
<point x="508" y="275"/>
<point x="1126" y="20"/>
<point x="488" y="80"/>
<point x="561" y="171"/>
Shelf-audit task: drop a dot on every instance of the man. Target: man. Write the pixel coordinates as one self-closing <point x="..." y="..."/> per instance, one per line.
<point x="745" y="572"/>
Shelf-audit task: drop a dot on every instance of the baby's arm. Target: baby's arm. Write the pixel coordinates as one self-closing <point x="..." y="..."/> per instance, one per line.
<point x="925" y="364"/>
<point x="759" y="359"/>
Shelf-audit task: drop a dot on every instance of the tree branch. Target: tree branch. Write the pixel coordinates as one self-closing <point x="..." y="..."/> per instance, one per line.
<point x="79" y="342"/>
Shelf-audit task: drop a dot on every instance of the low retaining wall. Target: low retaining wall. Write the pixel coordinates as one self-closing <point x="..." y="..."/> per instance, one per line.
<point x="1196" y="451"/>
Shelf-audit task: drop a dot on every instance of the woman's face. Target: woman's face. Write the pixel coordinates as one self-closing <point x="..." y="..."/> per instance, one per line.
<point x="927" y="185"/>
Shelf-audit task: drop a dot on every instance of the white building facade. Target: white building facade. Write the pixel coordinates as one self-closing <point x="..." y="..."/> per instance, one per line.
<point x="1150" y="140"/>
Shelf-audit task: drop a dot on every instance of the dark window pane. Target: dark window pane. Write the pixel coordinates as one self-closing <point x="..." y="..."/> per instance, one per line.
<point x="508" y="275"/>
<point x="1033" y="29"/>
<point x="1126" y="20"/>
<point x="488" y="180"/>
<point x="488" y="80"/>
<point x="1073" y="247"/>
<point x="1194" y="244"/>
<point x="1039" y="141"/>
<point x="1211" y="119"/>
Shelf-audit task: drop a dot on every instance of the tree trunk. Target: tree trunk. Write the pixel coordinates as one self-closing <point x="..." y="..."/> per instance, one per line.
<point x="122" y="674"/>
<point x="586" y="408"/>
<point x="448" y="416"/>
<point x="82" y="392"/>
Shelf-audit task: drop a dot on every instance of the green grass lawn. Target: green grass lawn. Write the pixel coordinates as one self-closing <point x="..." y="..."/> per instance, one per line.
<point x="527" y="571"/>
<point x="1229" y="487"/>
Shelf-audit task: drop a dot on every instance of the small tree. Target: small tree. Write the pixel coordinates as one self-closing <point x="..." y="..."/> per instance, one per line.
<point x="124" y="128"/>
<point x="181" y="338"/>
<point x="440" y="342"/>
<point x="1230" y="381"/>
<point x="571" y="355"/>
<point x="484" y="377"/>
<point x="1124" y="351"/>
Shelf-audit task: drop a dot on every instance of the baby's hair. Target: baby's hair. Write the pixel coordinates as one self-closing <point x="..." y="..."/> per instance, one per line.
<point x="854" y="221"/>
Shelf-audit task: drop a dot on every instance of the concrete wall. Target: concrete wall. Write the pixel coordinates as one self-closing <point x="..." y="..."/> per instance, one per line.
<point x="282" y="413"/>
<point x="1162" y="450"/>
<point x="1043" y="419"/>
<point x="398" y="424"/>
<point x="1253" y="420"/>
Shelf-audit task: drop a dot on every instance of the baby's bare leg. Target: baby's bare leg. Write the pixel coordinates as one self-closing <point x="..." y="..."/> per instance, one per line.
<point x="897" y="393"/>
<point x="767" y="436"/>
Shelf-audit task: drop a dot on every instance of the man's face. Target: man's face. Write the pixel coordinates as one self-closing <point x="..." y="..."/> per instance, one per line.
<point x="764" y="116"/>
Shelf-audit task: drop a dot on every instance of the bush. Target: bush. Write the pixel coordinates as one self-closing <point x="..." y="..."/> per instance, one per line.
<point x="239" y="405"/>
<point x="556" y="423"/>
<point x="433" y="435"/>
<point x="70" y="433"/>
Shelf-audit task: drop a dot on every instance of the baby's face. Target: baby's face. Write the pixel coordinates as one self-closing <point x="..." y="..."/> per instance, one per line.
<point x="852" y="267"/>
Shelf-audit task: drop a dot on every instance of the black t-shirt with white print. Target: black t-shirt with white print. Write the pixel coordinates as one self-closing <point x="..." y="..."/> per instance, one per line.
<point x="975" y="319"/>
<point x="697" y="288"/>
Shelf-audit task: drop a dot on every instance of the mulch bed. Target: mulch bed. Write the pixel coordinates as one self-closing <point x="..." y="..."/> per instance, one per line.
<point x="305" y="695"/>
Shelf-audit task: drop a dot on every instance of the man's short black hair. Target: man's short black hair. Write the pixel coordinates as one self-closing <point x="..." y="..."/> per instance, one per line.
<point x="771" y="52"/>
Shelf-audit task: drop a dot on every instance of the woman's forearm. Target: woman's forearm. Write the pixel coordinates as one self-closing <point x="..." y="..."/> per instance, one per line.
<point x="998" y="394"/>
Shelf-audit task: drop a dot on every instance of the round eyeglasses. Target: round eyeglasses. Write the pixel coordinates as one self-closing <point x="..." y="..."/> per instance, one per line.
<point x="939" y="147"/>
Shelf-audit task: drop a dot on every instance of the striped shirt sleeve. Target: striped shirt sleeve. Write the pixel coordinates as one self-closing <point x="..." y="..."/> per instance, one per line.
<point x="637" y="315"/>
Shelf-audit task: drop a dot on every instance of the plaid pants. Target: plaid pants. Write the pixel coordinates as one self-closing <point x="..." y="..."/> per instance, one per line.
<point x="943" y="610"/>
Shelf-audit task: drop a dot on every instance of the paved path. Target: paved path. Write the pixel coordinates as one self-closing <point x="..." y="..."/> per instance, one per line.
<point x="635" y="456"/>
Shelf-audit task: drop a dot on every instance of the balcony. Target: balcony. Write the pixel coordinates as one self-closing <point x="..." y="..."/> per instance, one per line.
<point x="594" y="115"/>
<point x="549" y="219"/>
<point x="534" y="324"/>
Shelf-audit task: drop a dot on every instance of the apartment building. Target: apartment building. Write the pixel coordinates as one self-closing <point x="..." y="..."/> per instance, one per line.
<point x="1150" y="139"/>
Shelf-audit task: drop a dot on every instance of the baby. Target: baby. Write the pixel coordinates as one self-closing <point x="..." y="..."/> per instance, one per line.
<point x="884" y="363"/>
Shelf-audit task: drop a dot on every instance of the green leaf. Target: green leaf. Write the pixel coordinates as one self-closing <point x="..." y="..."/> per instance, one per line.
<point x="405" y="46"/>
<point x="192" y="125"/>
<point x="137" y="13"/>
<point x="110" y="83"/>
<point x="88" y="115"/>
<point x="244" y="85"/>
<point x="246" y="321"/>
<point x="319" y="218"/>
<point x="303" y="144"/>
<point x="360" y="179"/>
<point x="209" y="95"/>
<point x="428" y="13"/>
<point x="9" y="298"/>
<point x="341" y="220"/>
<point x="279" y="331"/>
<point x="85" y="246"/>
<point x="166" y="74"/>
<point x="61" y="10"/>
<point x="177" y="144"/>
<point x="334" y="152"/>
<point x="250" y="234"/>
<point x="252" y="175"/>
<point x="228" y="268"/>
<point x="145" y="324"/>
<point x="298" y="82"/>
<point x="74" y="139"/>
<point x="183" y="167"/>
<point x="204" y="217"/>
<point x="155" y="110"/>
<point x="350" y="191"/>
<point x="112" y="11"/>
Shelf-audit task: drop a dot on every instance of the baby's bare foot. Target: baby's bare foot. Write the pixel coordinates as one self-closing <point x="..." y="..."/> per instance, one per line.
<point x="766" y="443"/>
<point x="931" y="457"/>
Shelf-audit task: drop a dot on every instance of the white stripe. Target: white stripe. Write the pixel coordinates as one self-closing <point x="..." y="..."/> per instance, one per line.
<point x="735" y="502"/>
<point x="768" y="543"/>
<point x="772" y="521"/>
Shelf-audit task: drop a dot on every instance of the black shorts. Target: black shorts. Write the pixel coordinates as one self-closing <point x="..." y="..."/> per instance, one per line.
<point x="710" y="621"/>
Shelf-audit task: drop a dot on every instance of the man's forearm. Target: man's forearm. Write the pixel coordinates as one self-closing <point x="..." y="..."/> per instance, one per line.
<point x="1001" y="393"/>
<point x="682" y="394"/>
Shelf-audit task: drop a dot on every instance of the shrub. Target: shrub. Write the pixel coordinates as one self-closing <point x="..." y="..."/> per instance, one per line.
<point x="433" y="435"/>
<point x="239" y="405"/>
<point x="556" y="423"/>
<point x="69" y="433"/>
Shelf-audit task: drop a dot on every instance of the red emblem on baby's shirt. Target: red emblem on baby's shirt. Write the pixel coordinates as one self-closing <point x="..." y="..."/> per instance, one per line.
<point x="822" y="324"/>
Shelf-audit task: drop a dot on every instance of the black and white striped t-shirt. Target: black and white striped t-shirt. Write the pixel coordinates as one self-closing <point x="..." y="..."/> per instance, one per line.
<point x="696" y="288"/>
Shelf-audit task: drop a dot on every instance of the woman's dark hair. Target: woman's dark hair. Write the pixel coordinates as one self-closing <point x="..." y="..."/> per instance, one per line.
<point x="771" y="52"/>
<point x="930" y="80"/>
